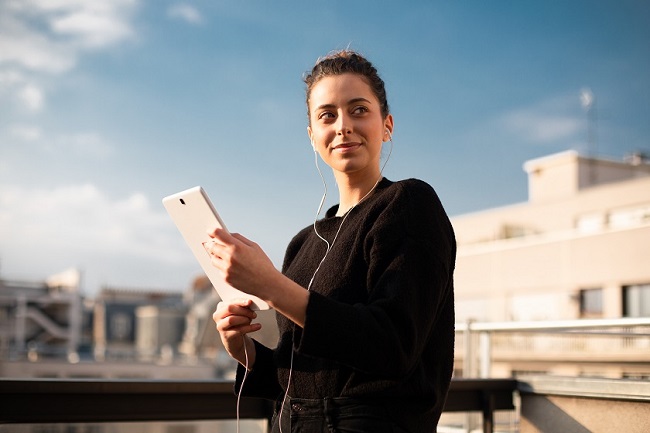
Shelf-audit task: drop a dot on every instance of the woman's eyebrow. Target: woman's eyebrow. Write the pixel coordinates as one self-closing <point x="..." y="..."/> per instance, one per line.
<point x="355" y="100"/>
<point x="325" y="107"/>
<point x="350" y="102"/>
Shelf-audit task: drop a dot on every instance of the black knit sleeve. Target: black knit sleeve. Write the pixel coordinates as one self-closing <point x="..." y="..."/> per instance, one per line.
<point x="261" y="381"/>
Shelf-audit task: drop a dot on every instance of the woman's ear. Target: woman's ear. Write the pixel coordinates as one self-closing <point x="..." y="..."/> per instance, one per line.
<point x="311" y="138"/>
<point x="388" y="128"/>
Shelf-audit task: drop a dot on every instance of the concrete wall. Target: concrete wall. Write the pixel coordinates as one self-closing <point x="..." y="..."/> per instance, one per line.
<point x="553" y="414"/>
<point x="581" y="405"/>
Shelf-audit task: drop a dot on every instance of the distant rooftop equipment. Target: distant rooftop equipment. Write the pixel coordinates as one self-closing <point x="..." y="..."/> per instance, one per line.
<point x="563" y="174"/>
<point x="637" y="158"/>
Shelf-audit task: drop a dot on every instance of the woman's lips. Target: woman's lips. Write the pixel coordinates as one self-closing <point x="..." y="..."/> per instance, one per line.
<point x="346" y="147"/>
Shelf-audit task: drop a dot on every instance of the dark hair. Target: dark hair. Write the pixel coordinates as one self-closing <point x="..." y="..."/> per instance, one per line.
<point x="346" y="62"/>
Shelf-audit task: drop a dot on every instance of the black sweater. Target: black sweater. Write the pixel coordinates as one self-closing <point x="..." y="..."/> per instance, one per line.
<point x="380" y="316"/>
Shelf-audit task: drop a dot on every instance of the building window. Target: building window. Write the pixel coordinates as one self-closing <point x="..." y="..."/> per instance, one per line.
<point x="591" y="302"/>
<point x="636" y="300"/>
<point x="590" y="223"/>
<point x="631" y="217"/>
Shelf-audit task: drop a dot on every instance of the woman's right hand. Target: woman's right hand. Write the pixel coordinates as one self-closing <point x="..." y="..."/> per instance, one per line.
<point x="234" y="321"/>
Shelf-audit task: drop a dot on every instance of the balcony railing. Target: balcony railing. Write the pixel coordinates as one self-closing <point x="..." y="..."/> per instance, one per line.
<point x="90" y="400"/>
<point x="65" y="401"/>
<point x="547" y="404"/>
<point x="612" y="343"/>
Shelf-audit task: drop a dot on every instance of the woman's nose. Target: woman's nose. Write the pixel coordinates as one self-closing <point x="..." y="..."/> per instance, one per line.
<point x="343" y="126"/>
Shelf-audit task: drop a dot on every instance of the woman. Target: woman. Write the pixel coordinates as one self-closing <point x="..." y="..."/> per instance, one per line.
<point x="365" y="297"/>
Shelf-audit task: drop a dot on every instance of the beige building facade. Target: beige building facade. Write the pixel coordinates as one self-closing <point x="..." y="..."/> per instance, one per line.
<point x="578" y="248"/>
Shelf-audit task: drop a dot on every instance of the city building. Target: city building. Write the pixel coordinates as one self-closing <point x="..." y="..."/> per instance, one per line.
<point x="43" y="319"/>
<point x="579" y="248"/>
<point x="49" y="329"/>
<point x="126" y="323"/>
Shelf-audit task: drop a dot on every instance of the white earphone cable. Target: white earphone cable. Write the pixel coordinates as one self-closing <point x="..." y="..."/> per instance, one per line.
<point x="322" y="200"/>
<point x="243" y="380"/>
<point x="329" y="247"/>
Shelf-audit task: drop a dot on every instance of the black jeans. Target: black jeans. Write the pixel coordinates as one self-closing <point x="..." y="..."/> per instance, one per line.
<point x="332" y="415"/>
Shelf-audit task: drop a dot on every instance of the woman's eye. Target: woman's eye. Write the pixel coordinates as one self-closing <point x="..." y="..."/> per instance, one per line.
<point x="326" y="115"/>
<point x="360" y="110"/>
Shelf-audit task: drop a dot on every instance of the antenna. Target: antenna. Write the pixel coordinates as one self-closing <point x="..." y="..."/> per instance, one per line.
<point x="588" y="101"/>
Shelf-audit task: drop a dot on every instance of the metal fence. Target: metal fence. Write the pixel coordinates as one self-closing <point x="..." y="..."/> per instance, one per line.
<point x="606" y="341"/>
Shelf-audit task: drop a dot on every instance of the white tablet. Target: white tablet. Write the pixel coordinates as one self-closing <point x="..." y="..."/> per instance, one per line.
<point x="194" y="215"/>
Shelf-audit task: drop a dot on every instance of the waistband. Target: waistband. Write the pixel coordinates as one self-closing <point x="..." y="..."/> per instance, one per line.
<point x="340" y="406"/>
<point x="343" y="414"/>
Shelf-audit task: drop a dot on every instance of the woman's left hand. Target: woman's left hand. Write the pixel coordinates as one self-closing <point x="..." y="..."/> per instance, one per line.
<point x="242" y="262"/>
<point x="246" y="267"/>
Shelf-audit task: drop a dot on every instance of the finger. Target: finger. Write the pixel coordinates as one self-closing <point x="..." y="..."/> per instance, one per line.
<point x="209" y="248"/>
<point x="243" y="239"/>
<point x="240" y="305"/>
<point x="214" y="246"/>
<point x="237" y="307"/>
<point x="221" y="235"/>
<point x="213" y="232"/>
<point x="234" y="322"/>
<point x="217" y="254"/>
<point x="235" y="336"/>
<point x="237" y="324"/>
<point x="230" y="323"/>
<point x="253" y="327"/>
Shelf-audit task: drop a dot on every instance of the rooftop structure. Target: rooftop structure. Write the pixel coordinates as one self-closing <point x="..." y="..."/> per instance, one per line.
<point x="578" y="248"/>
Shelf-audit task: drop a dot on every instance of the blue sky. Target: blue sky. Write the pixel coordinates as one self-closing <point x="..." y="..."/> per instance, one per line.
<point x="107" y="106"/>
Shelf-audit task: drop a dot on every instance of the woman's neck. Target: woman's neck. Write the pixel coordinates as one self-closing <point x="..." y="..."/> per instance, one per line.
<point x="352" y="191"/>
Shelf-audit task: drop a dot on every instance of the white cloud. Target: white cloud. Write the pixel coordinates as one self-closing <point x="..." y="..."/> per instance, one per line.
<point x="92" y="28"/>
<point x="185" y="12"/>
<point x="32" y="97"/>
<point x="25" y="132"/>
<point x="45" y="37"/>
<point x="80" y="144"/>
<point x="29" y="48"/>
<point x="549" y="121"/>
<point x="10" y="77"/>
<point x="540" y="127"/>
<point x="67" y="225"/>
<point x="85" y="143"/>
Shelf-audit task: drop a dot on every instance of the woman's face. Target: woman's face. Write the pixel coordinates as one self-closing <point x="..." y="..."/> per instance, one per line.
<point x="346" y="125"/>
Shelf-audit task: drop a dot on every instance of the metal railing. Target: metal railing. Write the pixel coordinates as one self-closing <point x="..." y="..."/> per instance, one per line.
<point x="603" y="340"/>
<point x="106" y="401"/>
<point x="92" y="400"/>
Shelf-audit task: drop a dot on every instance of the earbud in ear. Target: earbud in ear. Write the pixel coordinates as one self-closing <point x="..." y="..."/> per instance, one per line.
<point x="390" y="136"/>
<point x="313" y="146"/>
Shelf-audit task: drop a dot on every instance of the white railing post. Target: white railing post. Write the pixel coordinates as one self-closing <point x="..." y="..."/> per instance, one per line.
<point x="468" y="351"/>
<point x="470" y="422"/>
<point x="485" y="353"/>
